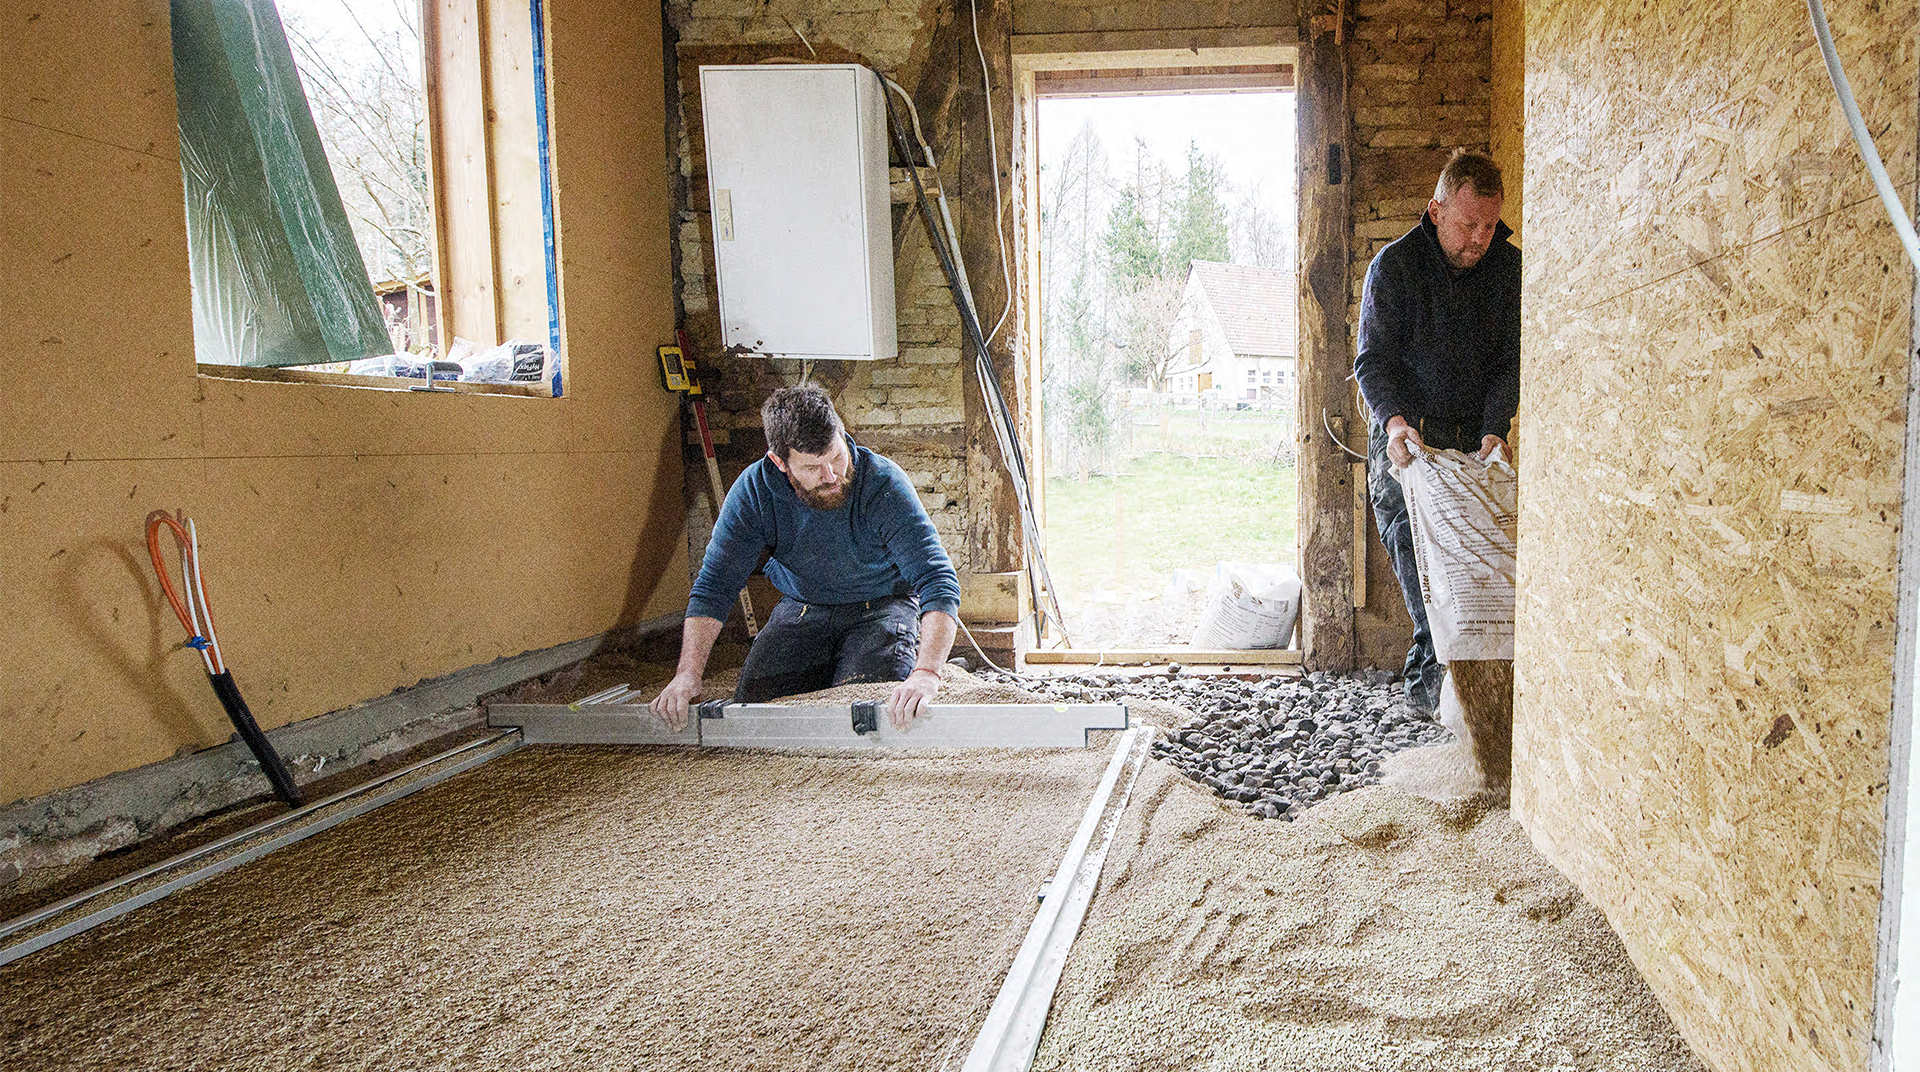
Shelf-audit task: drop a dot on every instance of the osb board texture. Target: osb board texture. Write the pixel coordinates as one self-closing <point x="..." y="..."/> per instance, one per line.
<point x="588" y="908"/>
<point x="1716" y="333"/>
<point x="1507" y="118"/>
<point x="356" y="541"/>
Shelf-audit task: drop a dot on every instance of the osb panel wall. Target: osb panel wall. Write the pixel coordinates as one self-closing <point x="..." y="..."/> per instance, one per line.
<point x="1717" y="325"/>
<point x="1421" y="84"/>
<point x="357" y="541"/>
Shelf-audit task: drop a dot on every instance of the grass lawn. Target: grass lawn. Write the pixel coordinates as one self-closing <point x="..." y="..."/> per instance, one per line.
<point x="1127" y="533"/>
<point x="1249" y="434"/>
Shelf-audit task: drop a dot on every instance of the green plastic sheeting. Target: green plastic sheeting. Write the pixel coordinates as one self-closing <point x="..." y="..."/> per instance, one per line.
<point x="277" y="278"/>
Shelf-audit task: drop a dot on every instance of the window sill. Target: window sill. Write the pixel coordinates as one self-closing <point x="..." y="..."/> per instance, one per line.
<point x="373" y="383"/>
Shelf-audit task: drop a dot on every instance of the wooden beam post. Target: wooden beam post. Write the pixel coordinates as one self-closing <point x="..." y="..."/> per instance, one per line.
<point x="994" y="542"/>
<point x="455" y="45"/>
<point x="1326" y="491"/>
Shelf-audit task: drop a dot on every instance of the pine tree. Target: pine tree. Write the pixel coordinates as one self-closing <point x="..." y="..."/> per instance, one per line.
<point x="1133" y="256"/>
<point x="1200" y="232"/>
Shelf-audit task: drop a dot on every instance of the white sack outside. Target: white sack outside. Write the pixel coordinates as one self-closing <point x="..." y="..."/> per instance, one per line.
<point x="1249" y="606"/>
<point x="1463" y="516"/>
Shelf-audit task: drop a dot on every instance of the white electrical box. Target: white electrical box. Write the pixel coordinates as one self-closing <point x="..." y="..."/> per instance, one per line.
<point x="802" y="224"/>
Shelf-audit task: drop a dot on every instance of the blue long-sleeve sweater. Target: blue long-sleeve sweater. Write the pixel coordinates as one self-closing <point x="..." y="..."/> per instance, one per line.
<point x="881" y="536"/>
<point x="1441" y="344"/>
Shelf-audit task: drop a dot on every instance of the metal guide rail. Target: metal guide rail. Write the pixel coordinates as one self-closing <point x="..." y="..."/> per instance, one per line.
<point x="609" y="718"/>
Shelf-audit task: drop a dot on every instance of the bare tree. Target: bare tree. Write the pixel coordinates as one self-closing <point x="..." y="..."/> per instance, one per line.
<point x="1078" y="378"/>
<point x="1258" y="234"/>
<point x="1144" y="318"/>
<point x="360" y="69"/>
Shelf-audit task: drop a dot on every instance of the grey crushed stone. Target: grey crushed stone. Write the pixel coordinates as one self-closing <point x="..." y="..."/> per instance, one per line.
<point x="1274" y="746"/>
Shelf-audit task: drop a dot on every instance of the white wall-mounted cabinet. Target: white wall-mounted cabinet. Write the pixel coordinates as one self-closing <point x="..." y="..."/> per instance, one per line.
<point x="802" y="227"/>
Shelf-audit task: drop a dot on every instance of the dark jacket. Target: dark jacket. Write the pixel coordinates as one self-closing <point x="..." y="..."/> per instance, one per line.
<point x="1441" y="345"/>
<point x="878" y="541"/>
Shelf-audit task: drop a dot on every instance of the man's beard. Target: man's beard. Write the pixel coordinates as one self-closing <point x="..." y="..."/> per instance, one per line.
<point x="823" y="500"/>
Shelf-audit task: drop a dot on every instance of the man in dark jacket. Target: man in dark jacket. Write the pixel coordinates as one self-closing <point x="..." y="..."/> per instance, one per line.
<point x="1439" y="361"/>
<point x="870" y="592"/>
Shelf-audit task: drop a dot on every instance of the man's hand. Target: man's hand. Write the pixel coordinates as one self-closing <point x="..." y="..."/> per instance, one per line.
<point x="674" y="700"/>
<point x="1490" y="443"/>
<point x="910" y="697"/>
<point x="1402" y="440"/>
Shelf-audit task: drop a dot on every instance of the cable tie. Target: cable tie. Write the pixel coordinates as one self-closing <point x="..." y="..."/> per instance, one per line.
<point x="197" y="643"/>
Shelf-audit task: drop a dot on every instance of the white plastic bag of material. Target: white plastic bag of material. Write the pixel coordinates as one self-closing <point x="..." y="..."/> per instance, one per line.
<point x="1463" y="515"/>
<point x="1249" y="606"/>
<point x="513" y="361"/>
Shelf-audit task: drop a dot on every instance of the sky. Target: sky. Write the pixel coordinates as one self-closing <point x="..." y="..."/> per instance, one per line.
<point x="1251" y="133"/>
<point x="343" y="26"/>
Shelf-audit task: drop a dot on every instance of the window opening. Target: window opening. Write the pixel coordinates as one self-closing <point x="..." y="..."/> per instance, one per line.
<point x="317" y="216"/>
<point x="1166" y="246"/>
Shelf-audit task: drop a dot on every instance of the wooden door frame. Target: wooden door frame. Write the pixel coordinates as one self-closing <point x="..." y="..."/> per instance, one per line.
<point x="1330" y="552"/>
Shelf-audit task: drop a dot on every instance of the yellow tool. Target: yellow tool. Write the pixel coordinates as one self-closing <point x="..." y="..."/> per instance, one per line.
<point x="682" y="375"/>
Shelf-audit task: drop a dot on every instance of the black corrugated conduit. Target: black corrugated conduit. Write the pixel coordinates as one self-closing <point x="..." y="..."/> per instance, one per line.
<point x="196" y="616"/>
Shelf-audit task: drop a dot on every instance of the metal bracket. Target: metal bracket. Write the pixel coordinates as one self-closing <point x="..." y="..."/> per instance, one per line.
<point x="866" y="716"/>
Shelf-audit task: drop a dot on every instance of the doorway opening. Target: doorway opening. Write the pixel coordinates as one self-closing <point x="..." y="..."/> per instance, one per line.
<point x="1163" y="205"/>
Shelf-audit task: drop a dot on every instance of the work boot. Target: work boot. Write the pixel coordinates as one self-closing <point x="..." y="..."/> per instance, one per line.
<point x="1420" y="679"/>
<point x="1422" y="688"/>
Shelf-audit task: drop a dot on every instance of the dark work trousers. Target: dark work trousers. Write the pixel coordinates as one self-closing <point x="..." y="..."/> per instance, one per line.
<point x="805" y="647"/>
<point x="1422" y="670"/>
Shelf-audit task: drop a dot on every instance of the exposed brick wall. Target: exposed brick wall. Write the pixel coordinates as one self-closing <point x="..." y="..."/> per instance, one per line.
<point x="1421" y="86"/>
<point x="1079" y="16"/>
<point x="910" y="408"/>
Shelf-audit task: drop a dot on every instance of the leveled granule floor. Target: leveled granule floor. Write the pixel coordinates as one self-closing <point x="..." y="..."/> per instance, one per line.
<point x="587" y="908"/>
<point x="1379" y="931"/>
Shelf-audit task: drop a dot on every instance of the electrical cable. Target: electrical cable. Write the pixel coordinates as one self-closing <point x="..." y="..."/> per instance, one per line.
<point x="993" y="145"/>
<point x="196" y="616"/>
<point x="982" y="651"/>
<point x="1328" y="425"/>
<point x="199" y="590"/>
<point x="189" y="620"/>
<point x="998" y="413"/>
<point x="811" y="51"/>
<point x="964" y="290"/>
<point x="1863" y="140"/>
<point x="939" y="189"/>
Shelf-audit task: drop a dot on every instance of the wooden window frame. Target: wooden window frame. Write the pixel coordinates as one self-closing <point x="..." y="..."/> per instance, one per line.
<point x="496" y="258"/>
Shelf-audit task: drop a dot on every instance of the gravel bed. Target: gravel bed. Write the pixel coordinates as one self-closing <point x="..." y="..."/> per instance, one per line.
<point x="1276" y="746"/>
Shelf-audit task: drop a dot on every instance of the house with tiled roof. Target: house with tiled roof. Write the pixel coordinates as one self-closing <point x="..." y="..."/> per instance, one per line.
<point x="1235" y="333"/>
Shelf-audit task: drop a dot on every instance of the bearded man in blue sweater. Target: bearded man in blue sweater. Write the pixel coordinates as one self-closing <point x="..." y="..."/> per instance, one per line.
<point x="1439" y="362"/>
<point x="870" y="592"/>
